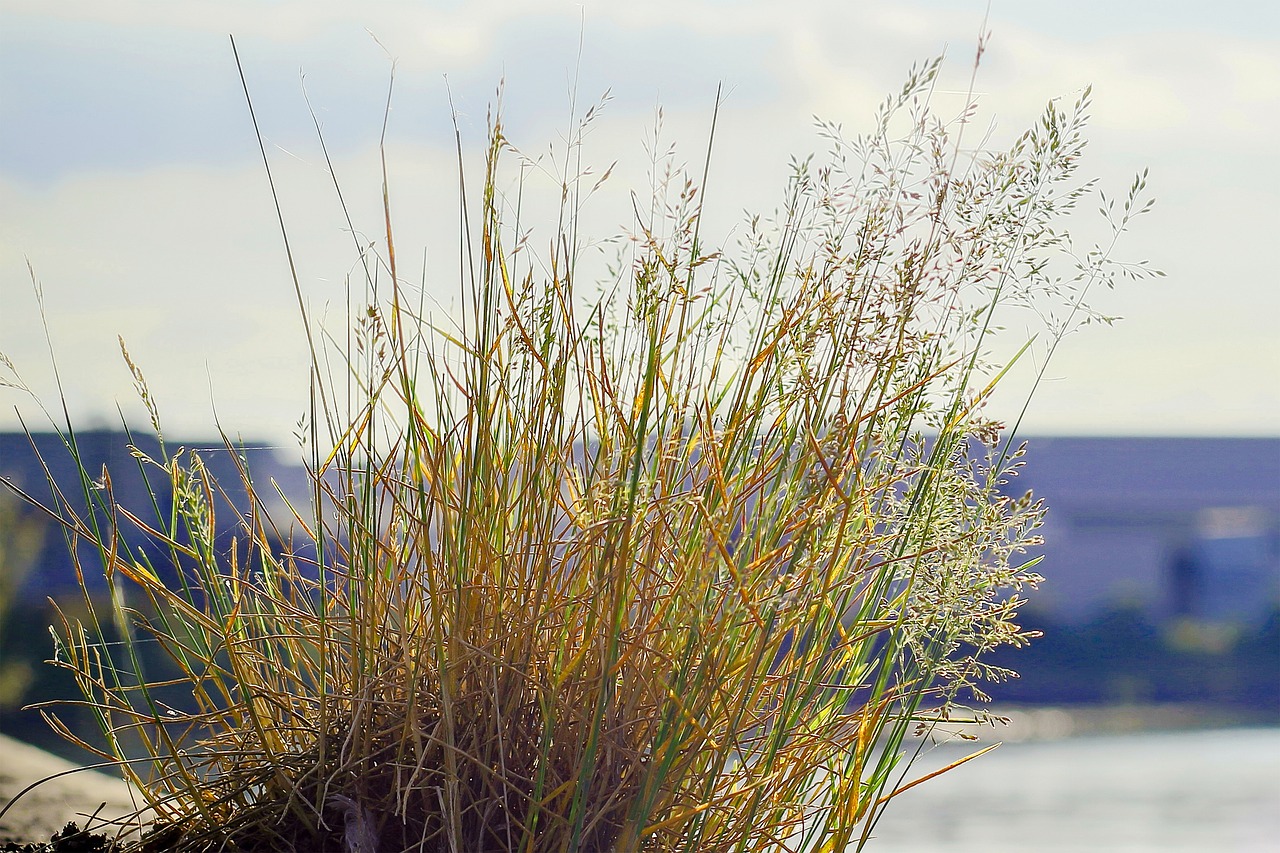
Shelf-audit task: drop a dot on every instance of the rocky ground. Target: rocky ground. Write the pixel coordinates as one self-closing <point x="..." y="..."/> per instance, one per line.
<point x="47" y="808"/>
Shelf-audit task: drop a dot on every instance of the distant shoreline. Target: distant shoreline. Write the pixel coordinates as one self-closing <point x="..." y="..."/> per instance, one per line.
<point x="1056" y="722"/>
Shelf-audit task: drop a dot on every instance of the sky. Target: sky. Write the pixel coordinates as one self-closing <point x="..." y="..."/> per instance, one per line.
<point x="132" y="186"/>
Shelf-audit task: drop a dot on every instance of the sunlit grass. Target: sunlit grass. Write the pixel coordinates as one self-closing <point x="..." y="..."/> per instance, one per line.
<point x="680" y="561"/>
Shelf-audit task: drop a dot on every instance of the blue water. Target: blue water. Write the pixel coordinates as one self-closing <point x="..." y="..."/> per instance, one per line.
<point x="1205" y="791"/>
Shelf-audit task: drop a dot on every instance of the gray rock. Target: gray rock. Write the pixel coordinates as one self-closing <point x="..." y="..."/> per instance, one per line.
<point x="48" y="807"/>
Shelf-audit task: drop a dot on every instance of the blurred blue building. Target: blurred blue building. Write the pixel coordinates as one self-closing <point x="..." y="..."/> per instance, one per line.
<point x="1170" y="527"/>
<point x="33" y="464"/>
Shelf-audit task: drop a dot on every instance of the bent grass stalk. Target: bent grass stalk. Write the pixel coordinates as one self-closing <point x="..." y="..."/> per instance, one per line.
<point x="682" y="568"/>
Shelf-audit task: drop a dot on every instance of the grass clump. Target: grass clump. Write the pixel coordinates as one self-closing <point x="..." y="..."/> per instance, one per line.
<point x="681" y="563"/>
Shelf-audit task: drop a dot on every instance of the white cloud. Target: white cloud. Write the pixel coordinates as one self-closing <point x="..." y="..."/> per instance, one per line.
<point x="162" y="229"/>
<point x="1177" y="87"/>
<point x="188" y="266"/>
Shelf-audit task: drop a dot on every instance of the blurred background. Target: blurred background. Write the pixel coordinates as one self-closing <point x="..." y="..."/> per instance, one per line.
<point x="131" y="188"/>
